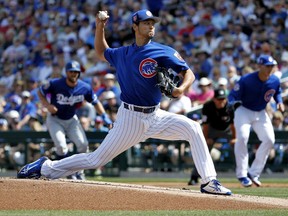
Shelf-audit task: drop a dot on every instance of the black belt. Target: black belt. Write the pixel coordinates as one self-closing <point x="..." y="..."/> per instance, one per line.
<point x="140" y="109"/>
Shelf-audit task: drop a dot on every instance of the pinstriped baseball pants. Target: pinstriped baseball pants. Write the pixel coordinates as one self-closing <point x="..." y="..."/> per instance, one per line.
<point x="132" y="127"/>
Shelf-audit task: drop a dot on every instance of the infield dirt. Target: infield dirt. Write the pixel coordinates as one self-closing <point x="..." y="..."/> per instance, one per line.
<point x="91" y="195"/>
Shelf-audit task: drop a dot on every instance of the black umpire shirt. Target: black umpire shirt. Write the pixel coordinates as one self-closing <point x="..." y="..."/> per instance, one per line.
<point x="218" y="119"/>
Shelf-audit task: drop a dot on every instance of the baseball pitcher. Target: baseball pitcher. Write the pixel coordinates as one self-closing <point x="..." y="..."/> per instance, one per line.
<point x="139" y="116"/>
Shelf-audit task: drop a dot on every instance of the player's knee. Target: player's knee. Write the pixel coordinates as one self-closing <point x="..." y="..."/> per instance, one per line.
<point x="189" y="122"/>
<point x="242" y="138"/>
<point x="269" y="140"/>
<point x="190" y="128"/>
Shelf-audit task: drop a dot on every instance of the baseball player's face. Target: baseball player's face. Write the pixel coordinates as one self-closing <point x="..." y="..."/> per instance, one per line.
<point x="72" y="76"/>
<point x="266" y="71"/>
<point x="147" y="28"/>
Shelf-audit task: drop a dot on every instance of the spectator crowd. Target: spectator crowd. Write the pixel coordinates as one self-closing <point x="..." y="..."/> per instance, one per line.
<point x="220" y="40"/>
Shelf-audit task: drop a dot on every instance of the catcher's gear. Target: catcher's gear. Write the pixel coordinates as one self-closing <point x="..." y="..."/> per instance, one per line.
<point x="166" y="81"/>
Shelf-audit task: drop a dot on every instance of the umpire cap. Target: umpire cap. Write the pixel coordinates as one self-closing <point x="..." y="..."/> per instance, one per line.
<point x="266" y="60"/>
<point x="220" y="93"/>
<point x="73" y="66"/>
<point x="143" y="15"/>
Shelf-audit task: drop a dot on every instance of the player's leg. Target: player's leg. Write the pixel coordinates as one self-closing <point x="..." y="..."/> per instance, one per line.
<point x="242" y="125"/>
<point x="57" y="133"/>
<point x="57" y="130"/>
<point x="213" y="135"/>
<point x="169" y="126"/>
<point x="264" y="129"/>
<point x="76" y="134"/>
<point x="128" y="130"/>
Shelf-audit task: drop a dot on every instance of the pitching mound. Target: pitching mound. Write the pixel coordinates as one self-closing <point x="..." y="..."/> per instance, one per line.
<point x="90" y="195"/>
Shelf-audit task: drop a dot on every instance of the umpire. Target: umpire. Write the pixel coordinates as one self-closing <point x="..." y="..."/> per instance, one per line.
<point x="217" y="122"/>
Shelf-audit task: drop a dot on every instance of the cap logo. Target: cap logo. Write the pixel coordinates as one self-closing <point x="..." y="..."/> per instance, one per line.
<point x="74" y="65"/>
<point x="148" y="13"/>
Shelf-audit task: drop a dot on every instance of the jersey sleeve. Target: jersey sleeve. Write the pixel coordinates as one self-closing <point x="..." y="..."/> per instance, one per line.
<point x="91" y="97"/>
<point x="277" y="97"/>
<point x="175" y="61"/>
<point x="46" y="88"/>
<point x="236" y="93"/>
<point x="111" y="55"/>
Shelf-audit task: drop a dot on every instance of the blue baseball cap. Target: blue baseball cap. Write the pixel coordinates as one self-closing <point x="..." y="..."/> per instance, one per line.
<point x="143" y="15"/>
<point x="266" y="60"/>
<point x="73" y="66"/>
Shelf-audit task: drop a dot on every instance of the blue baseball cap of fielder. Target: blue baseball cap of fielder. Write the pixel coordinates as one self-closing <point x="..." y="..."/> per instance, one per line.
<point x="143" y="15"/>
<point x="73" y="66"/>
<point x="266" y="60"/>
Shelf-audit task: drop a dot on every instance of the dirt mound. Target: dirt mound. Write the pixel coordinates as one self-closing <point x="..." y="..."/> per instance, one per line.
<point x="91" y="195"/>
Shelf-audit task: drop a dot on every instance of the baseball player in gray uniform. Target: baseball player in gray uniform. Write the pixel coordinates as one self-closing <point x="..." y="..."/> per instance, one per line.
<point x="139" y="116"/>
<point x="65" y="95"/>
<point x="254" y="91"/>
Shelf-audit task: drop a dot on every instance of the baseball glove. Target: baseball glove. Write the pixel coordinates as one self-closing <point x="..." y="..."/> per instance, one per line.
<point x="166" y="81"/>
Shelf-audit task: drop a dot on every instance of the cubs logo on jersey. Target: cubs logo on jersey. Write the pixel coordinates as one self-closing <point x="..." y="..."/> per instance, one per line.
<point x="147" y="67"/>
<point x="269" y="94"/>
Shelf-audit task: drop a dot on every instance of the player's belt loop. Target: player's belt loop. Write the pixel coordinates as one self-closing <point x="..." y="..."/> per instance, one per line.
<point x="130" y="107"/>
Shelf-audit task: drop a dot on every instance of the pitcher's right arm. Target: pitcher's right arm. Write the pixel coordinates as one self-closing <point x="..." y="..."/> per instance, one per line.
<point x="100" y="42"/>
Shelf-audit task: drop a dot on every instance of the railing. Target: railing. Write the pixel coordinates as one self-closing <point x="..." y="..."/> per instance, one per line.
<point x="146" y="154"/>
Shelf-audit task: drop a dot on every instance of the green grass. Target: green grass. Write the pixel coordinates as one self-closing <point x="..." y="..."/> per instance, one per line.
<point x="280" y="192"/>
<point x="277" y="192"/>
